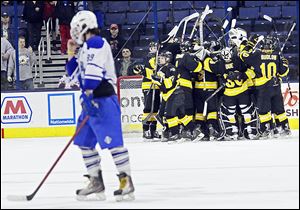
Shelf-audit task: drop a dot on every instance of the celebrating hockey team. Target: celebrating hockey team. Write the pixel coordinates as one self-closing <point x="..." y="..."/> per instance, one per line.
<point x="221" y="89"/>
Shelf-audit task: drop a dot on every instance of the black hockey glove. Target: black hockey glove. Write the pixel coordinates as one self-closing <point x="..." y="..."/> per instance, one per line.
<point x="234" y="75"/>
<point x="284" y="60"/>
<point x="137" y="69"/>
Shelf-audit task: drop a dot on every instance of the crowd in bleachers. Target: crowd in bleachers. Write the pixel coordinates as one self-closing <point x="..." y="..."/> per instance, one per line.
<point x="118" y="19"/>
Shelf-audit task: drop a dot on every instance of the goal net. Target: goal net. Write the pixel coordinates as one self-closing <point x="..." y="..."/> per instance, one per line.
<point x="132" y="103"/>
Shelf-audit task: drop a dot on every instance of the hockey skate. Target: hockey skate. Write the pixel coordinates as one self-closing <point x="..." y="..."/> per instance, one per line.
<point x="173" y="139"/>
<point x="186" y="136"/>
<point x="232" y="133"/>
<point x="155" y="136"/>
<point x="126" y="189"/>
<point x="286" y="131"/>
<point x="276" y="132"/>
<point x="251" y="133"/>
<point x="198" y="134"/>
<point x="267" y="133"/>
<point x="165" y="135"/>
<point x="233" y="137"/>
<point x="280" y="132"/>
<point x="147" y="136"/>
<point x="94" y="190"/>
<point x="213" y="134"/>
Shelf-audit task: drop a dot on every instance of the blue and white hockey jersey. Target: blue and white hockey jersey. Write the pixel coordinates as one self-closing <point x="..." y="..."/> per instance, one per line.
<point x="96" y="67"/>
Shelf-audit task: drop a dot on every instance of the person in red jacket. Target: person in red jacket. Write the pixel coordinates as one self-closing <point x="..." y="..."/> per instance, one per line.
<point x="64" y="11"/>
<point x="49" y="9"/>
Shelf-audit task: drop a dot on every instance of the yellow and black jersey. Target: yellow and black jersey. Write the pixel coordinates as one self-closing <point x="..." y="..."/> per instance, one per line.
<point x="186" y="65"/>
<point x="236" y="87"/>
<point x="150" y="66"/>
<point x="267" y="65"/>
<point x="206" y="78"/>
<point x="170" y="81"/>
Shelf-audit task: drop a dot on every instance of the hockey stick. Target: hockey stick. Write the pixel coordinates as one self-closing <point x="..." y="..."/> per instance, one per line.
<point x="259" y="39"/>
<point x="268" y="18"/>
<point x="192" y="16"/>
<point x="171" y="34"/>
<point x="288" y="36"/>
<point x="229" y="9"/>
<point x="206" y="12"/>
<point x="281" y="51"/>
<point x="153" y="89"/>
<point x="31" y="196"/>
<point x="210" y="97"/>
<point x="233" y="23"/>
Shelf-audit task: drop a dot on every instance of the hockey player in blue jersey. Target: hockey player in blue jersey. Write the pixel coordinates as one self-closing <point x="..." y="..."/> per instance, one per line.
<point x="95" y="68"/>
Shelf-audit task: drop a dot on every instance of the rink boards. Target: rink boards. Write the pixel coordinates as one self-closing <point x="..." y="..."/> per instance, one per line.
<point x="50" y="114"/>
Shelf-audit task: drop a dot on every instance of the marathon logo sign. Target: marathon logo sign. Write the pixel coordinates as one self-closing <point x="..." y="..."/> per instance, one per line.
<point x="15" y="109"/>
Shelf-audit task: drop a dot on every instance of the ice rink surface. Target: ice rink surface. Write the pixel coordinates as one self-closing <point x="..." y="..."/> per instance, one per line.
<point x="239" y="174"/>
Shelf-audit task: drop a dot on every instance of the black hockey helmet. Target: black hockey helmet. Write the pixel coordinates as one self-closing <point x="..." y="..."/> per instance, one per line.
<point x="186" y="46"/>
<point x="269" y="42"/>
<point x="168" y="55"/>
<point x="152" y="44"/>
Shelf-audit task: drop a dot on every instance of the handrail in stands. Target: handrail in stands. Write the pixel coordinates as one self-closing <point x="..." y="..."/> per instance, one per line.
<point x="48" y="60"/>
<point x="40" y="57"/>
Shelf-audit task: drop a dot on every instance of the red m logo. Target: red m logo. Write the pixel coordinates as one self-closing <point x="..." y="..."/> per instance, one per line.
<point x="15" y="109"/>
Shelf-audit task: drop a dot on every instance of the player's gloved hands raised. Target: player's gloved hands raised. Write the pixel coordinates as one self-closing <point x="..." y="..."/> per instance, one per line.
<point x="88" y="104"/>
<point x="157" y="80"/>
<point x="137" y="69"/>
<point x="284" y="60"/>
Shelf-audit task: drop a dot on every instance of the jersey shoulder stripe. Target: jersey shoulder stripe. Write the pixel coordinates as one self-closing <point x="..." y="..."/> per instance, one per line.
<point x="96" y="42"/>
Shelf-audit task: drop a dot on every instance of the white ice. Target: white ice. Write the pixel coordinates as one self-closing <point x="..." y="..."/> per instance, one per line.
<point x="239" y="174"/>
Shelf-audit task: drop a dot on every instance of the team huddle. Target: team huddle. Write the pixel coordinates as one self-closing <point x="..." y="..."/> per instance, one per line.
<point x="215" y="91"/>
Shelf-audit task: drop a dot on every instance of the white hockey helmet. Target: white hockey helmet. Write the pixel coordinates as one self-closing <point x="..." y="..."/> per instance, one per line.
<point x="226" y="53"/>
<point x="81" y="22"/>
<point x="237" y="36"/>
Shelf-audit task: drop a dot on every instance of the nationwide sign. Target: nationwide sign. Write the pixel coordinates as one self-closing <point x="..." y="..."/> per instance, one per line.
<point x="15" y="109"/>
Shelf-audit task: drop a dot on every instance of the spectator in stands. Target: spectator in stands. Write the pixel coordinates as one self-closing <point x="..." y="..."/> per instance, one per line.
<point x="6" y="29"/>
<point x="79" y="6"/>
<point x="124" y="65"/>
<point x="96" y="7"/>
<point x="6" y="7"/>
<point x="115" y="40"/>
<point x="6" y="49"/>
<point x="49" y="9"/>
<point x="33" y="15"/>
<point x="64" y="11"/>
<point x="26" y="61"/>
